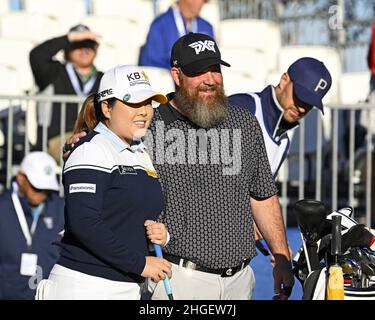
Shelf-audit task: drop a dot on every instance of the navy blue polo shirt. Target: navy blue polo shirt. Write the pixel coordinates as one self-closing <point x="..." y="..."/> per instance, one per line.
<point x="111" y="188"/>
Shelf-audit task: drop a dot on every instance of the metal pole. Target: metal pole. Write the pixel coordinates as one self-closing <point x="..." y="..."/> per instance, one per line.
<point x="319" y="146"/>
<point x="44" y="137"/>
<point x="9" y="145"/>
<point x="155" y="7"/>
<point x="27" y="115"/>
<point x="62" y="141"/>
<point x="284" y="191"/>
<point x="342" y="34"/>
<point x="334" y="158"/>
<point x="301" y="155"/>
<point x="351" y="158"/>
<point x="369" y="185"/>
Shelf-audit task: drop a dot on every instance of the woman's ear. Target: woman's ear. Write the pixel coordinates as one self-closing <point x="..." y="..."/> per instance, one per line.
<point x="106" y="109"/>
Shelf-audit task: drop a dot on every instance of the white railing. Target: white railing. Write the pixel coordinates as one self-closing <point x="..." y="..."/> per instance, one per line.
<point x="339" y="177"/>
<point x="336" y="182"/>
<point x="28" y="105"/>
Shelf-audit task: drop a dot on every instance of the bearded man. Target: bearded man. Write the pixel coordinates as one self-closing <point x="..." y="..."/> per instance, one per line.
<point x="210" y="208"/>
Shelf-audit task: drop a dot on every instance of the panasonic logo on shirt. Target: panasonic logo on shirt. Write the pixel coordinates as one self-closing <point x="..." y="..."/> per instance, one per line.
<point x="82" y="187"/>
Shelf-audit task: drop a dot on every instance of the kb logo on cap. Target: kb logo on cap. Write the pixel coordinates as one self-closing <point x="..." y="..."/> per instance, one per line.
<point x="134" y="76"/>
<point x="200" y="46"/>
<point x="138" y="78"/>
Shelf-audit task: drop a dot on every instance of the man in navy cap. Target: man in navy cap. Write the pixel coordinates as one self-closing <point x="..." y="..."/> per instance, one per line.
<point x="278" y="109"/>
<point x="209" y="213"/>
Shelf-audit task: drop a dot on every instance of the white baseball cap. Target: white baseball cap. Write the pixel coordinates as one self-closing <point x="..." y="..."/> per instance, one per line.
<point x="40" y="169"/>
<point x="129" y="84"/>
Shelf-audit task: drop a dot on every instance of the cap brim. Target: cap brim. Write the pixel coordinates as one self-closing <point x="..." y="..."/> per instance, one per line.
<point x="307" y="96"/>
<point x="143" y="95"/>
<point x="43" y="184"/>
<point x="200" y="65"/>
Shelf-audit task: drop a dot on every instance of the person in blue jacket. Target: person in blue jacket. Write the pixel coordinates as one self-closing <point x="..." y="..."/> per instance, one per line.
<point x="180" y="19"/>
<point x="113" y="197"/>
<point x="31" y="219"/>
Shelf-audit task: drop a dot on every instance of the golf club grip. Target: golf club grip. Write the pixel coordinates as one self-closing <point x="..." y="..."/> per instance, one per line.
<point x="335" y="286"/>
<point x="167" y="286"/>
<point x="336" y="236"/>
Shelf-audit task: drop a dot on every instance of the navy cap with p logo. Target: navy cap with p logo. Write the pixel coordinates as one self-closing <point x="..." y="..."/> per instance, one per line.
<point x="311" y="81"/>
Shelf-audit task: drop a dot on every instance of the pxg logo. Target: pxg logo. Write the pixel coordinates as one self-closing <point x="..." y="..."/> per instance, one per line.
<point x="201" y="46"/>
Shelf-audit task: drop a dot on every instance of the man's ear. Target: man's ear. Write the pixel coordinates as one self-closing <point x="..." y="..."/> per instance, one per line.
<point x="284" y="80"/>
<point x="175" y="73"/>
<point x="20" y="177"/>
<point x="106" y="109"/>
<point x="21" y="181"/>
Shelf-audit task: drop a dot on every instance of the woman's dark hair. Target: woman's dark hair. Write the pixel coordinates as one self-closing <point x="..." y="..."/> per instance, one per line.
<point x="91" y="113"/>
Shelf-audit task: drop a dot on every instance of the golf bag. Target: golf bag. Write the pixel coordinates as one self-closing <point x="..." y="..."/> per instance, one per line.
<point x="355" y="256"/>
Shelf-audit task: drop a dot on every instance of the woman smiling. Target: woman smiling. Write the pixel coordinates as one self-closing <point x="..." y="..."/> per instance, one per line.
<point x="112" y="193"/>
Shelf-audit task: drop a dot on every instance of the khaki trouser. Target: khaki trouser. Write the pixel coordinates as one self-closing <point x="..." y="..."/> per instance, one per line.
<point x="189" y="284"/>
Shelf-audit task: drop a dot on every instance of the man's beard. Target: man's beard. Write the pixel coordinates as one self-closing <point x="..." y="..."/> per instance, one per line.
<point x="205" y="113"/>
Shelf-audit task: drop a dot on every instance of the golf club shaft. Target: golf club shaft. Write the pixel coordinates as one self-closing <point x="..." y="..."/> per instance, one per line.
<point x="167" y="285"/>
<point x="306" y="253"/>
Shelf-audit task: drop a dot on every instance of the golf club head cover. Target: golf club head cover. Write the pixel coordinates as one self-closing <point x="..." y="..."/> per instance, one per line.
<point x="358" y="236"/>
<point x="311" y="215"/>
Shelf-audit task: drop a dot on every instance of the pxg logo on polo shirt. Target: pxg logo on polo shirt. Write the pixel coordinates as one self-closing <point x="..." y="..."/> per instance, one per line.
<point x="200" y="46"/>
<point x="137" y="78"/>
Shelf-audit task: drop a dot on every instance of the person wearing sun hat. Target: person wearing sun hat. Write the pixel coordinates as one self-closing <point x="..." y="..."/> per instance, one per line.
<point x="31" y="219"/>
<point x="112" y="196"/>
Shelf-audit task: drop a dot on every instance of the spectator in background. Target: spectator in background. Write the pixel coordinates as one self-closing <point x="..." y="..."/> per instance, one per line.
<point x="360" y="129"/>
<point x="77" y="76"/>
<point x="31" y="218"/>
<point x="371" y="58"/>
<point x="180" y="19"/>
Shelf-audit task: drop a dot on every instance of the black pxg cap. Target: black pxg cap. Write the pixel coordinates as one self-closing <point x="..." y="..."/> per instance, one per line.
<point x="195" y="52"/>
